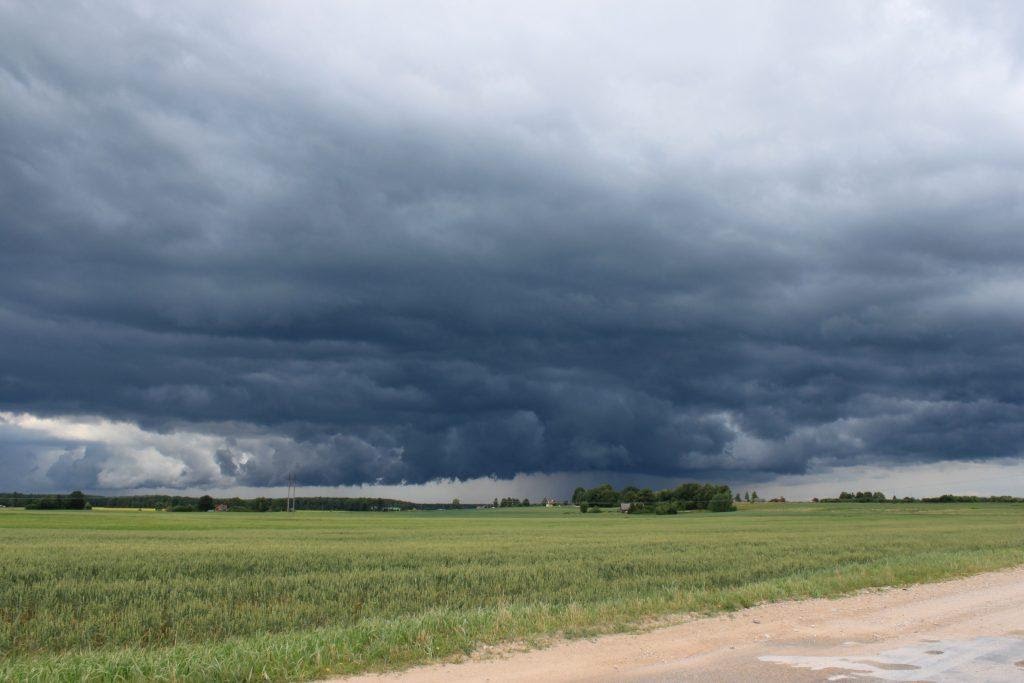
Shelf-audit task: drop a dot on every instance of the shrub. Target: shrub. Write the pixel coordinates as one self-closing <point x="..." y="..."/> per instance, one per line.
<point x="584" y="507"/>
<point x="666" y="509"/>
<point x="722" y="502"/>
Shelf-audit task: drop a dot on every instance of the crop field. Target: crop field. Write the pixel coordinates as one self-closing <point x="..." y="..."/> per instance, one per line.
<point x="124" y="595"/>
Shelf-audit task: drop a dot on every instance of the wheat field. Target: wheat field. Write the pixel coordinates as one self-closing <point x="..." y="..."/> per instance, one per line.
<point x="124" y="596"/>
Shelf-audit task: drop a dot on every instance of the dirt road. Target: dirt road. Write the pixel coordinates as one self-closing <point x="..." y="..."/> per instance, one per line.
<point x="964" y="630"/>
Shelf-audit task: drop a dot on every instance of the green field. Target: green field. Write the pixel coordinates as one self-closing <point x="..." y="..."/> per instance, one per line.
<point x="106" y="595"/>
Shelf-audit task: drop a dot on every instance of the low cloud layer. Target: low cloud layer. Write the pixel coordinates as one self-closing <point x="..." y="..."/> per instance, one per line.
<point x="402" y="243"/>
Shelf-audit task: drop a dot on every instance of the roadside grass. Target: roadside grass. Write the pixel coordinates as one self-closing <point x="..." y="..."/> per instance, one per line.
<point x="117" y="596"/>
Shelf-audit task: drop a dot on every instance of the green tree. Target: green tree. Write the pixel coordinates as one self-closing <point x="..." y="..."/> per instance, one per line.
<point x="75" y="501"/>
<point x="602" y="495"/>
<point x="722" y="502"/>
<point x="645" y="496"/>
<point x="577" y="495"/>
<point x="456" y="503"/>
<point x="205" y="504"/>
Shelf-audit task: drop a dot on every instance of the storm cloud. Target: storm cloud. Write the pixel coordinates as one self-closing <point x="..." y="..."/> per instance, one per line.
<point x="403" y="242"/>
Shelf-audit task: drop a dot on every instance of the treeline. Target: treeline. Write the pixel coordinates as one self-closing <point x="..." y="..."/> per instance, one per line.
<point x="73" y="501"/>
<point x="951" y="498"/>
<point x="511" y="503"/>
<point x="879" y="497"/>
<point x="689" y="496"/>
<point x="860" y="497"/>
<point x="80" y="501"/>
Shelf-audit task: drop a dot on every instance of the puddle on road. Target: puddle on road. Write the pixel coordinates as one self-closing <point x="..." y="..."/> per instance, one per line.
<point x="995" y="660"/>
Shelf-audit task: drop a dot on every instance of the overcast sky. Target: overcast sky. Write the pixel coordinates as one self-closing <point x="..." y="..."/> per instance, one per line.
<point x="436" y="248"/>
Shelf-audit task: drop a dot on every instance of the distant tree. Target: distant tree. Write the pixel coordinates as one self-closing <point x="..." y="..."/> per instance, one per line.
<point x="584" y="507"/>
<point x="738" y="497"/>
<point x="860" y="497"/>
<point x="76" y="501"/>
<point x="746" y="496"/>
<point x="577" y="495"/>
<point x="645" y="496"/>
<point x="455" y="502"/>
<point x="526" y="502"/>
<point x="753" y="496"/>
<point x="722" y="502"/>
<point x="602" y="495"/>
<point x="495" y="502"/>
<point x="205" y="503"/>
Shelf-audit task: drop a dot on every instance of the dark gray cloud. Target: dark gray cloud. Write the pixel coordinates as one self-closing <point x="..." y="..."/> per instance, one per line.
<point x="402" y="243"/>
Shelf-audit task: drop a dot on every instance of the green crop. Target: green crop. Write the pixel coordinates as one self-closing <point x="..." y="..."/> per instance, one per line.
<point x="119" y="595"/>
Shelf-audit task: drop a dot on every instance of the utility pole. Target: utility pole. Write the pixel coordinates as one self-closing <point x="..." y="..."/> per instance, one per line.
<point x="289" y="504"/>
